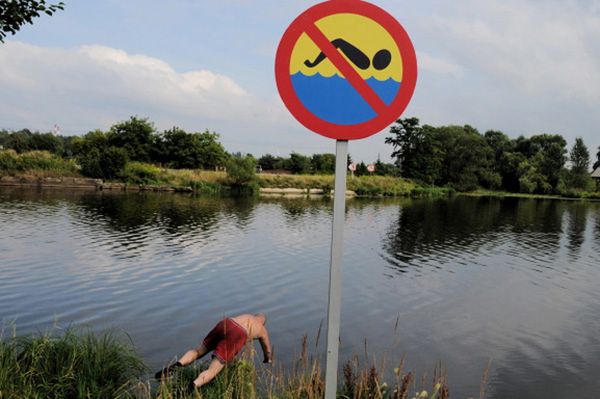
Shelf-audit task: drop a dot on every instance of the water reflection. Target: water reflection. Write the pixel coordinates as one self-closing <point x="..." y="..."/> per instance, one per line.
<point x="433" y="227"/>
<point x="578" y="215"/>
<point x="174" y="214"/>
<point x="468" y="279"/>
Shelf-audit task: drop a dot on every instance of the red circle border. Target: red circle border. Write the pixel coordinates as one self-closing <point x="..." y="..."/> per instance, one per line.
<point x="307" y="118"/>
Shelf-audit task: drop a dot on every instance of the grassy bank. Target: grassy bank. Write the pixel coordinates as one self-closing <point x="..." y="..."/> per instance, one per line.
<point x="571" y="195"/>
<point x="79" y="364"/>
<point x="388" y="186"/>
<point x="69" y="365"/>
<point x="40" y="164"/>
<point x="36" y="164"/>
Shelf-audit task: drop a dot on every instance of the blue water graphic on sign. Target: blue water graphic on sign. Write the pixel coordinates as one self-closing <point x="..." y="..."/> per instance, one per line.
<point x="334" y="100"/>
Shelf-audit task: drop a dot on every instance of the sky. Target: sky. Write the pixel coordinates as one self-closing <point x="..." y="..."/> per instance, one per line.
<point x="524" y="67"/>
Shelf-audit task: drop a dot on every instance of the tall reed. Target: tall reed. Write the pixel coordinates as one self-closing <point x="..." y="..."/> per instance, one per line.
<point x="76" y="363"/>
<point x="69" y="364"/>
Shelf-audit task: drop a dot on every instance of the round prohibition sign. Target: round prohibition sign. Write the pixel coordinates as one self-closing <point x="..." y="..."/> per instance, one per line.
<point x="380" y="107"/>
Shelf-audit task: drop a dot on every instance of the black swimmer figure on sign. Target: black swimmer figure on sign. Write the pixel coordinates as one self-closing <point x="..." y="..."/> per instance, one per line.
<point x="381" y="59"/>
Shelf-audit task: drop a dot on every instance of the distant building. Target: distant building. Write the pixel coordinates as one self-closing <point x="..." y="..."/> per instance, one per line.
<point x="596" y="176"/>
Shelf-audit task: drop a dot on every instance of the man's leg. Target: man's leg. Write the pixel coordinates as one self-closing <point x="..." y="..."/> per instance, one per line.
<point x="207" y="375"/>
<point x="188" y="357"/>
<point x="193" y="354"/>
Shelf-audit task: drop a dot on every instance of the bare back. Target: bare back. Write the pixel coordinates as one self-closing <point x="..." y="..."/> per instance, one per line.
<point x="254" y="325"/>
<point x="255" y="329"/>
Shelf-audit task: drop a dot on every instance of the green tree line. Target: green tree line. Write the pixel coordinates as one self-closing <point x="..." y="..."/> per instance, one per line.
<point x="459" y="157"/>
<point x="463" y="158"/>
<point x="104" y="154"/>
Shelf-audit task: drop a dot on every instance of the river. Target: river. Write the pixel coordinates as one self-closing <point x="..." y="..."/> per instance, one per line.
<point x="460" y="281"/>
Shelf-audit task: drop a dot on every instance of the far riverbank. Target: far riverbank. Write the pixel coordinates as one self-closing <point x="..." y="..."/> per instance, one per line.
<point x="267" y="185"/>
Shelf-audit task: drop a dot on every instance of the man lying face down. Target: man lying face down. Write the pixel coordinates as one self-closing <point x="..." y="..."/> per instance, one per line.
<point x="225" y="340"/>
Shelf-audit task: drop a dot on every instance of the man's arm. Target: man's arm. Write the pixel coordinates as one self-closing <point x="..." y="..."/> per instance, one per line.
<point x="265" y="344"/>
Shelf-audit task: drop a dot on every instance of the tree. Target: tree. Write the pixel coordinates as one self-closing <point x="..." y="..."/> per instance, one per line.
<point x="19" y="141"/>
<point x="501" y="145"/>
<point x="16" y="13"/>
<point x="45" y="142"/>
<point x="241" y="170"/>
<point x="323" y="163"/>
<point x="385" y="169"/>
<point x="417" y="152"/>
<point x="270" y="162"/>
<point x="510" y="172"/>
<point x="267" y="162"/>
<point x="299" y="164"/>
<point x="97" y="157"/>
<point x="467" y="159"/>
<point x="553" y="155"/>
<point x="532" y="180"/>
<point x="179" y="149"/>
<point x="580" y="163"/>
<point x="96" y="139"/>
<point x="212" y="153"/>
<point x="103" y="163"/>
<point x="580" y="157"/>
<point x="597" y="163"/>
<point x="135" y="136"/>
<point x="4" y="136"/>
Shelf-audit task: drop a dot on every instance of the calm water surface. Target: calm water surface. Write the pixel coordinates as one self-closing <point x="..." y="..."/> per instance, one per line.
<point x="465" y="279"/>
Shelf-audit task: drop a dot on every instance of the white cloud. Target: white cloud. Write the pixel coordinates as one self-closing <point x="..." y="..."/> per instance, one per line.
<point x="442" y="66"/>
<point x="92" y="86"/>
<point x="548" y="49"/>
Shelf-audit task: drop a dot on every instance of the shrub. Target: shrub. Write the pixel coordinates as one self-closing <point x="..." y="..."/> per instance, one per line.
<point x="8" y="161"/>
<point x="241" y="170"/>
<point x="11" y="162"/>
<point x="103" y="163"/>
<point x="141" y="173"/>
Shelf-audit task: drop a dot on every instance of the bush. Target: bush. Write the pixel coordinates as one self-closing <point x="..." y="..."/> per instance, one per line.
<point x="103" y="163"/>
<point x="141" y="173"/>
<point x="241" y="170"/>
<point x="11" y="163"/>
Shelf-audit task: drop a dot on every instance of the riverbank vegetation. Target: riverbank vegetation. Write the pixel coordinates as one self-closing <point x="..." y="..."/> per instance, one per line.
<point x="463" y="158"/>
<point x="37" y="163"/>
<point x="80" y="364"/>
<point x="428" y="161"/>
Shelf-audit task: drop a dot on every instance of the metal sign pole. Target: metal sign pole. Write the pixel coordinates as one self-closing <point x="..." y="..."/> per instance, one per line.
<point x="335" y="269"/>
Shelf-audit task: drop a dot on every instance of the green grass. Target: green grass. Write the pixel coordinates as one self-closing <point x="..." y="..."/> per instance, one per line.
<point x="78" y="364"/>
<point x="36" y="164"/>
<point x="43" y="164"/>
<point x="69" y="364"/>
<point x="368" y="186"/>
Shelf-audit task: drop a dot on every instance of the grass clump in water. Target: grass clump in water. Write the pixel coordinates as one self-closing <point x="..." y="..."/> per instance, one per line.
<point x="67" y="365"/>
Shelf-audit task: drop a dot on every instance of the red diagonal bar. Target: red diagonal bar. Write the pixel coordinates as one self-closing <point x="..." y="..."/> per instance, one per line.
<point x="359" y="84"/>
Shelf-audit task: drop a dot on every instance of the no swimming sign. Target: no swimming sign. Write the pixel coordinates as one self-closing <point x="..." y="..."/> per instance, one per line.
<point x="346" y="69"/>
